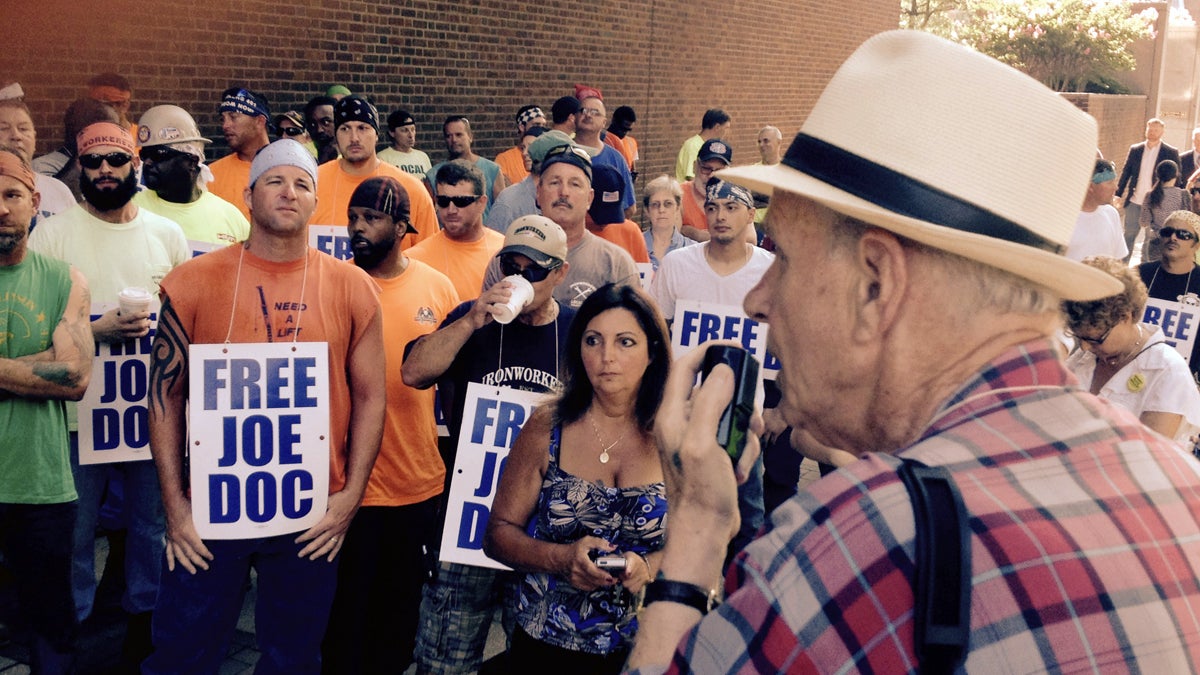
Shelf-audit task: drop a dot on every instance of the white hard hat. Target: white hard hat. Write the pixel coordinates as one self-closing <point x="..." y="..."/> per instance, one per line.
<point x="164" y="124"/>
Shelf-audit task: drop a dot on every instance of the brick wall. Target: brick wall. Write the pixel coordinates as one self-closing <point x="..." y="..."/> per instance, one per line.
<point x="764" y="61"/>
<point x="1121" y="121"/>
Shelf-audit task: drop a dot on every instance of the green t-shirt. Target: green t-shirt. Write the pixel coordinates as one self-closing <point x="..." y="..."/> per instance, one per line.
<point x="34" y="456"/>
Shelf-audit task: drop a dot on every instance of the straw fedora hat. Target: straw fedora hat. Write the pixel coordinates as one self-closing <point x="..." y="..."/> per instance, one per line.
<point x="948" y="147"/>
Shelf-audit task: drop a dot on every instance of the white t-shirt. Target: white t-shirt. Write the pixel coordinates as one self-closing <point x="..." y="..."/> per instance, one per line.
<point x="1157" y="379"/>
<point x="414" y="161"/>
<point x="1098" y="232"/>
<point x="113" y="256"/>
<point x="684" y="274"/>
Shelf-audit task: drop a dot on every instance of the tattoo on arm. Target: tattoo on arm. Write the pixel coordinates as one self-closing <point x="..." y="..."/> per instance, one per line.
<point x="168" y="358"/>
<point x="56" y="373"/>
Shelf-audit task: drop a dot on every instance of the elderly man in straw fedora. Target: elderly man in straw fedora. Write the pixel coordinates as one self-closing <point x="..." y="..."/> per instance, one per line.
<point x="989" y="514"/>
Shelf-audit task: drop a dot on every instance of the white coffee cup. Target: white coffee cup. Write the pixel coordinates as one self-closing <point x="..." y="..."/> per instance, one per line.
<point x="133" y="300"/>
<point x="522" y="294"/>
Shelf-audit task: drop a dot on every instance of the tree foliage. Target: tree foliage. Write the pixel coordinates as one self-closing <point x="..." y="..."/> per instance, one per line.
<point x="1065" y="44"/>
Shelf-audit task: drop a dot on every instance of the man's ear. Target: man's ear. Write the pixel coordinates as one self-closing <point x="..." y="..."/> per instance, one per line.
<point x="882" y="266"/>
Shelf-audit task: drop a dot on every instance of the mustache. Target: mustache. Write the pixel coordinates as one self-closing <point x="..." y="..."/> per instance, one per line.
<point x="562" y="201"/>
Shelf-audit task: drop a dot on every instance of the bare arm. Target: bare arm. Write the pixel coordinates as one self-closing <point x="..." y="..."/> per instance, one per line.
<point x="517" y="497"/>
<point x="1164" y="423"/>
<point x="63" y="370"/>
<point x="368" y="396"/>
<point x="112" y="326"/>
<point x="693" y="233"/>
<point x="167" y="399"/>
<point x="702" y="489"/>
<point x="432" y="355"/>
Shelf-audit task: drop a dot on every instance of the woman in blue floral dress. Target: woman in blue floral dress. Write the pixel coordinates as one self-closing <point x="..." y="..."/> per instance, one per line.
<point x="583" y="480"/>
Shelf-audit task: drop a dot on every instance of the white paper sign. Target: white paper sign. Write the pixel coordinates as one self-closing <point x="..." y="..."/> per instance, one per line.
<point x="645" y="273"/>
<point x="199" y="248"/>
<point x="259" y="447"/>
<point x="331" y="239"/>
<point x="492" y="418"/>
<point x="113" y="420"/>
<point x="1178" y="322"/>
<point x="697" y="322"/>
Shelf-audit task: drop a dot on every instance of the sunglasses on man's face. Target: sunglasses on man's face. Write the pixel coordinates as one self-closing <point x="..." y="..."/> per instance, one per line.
<point x="291" y="131"/>
<point x="532" y="273"/>
<point x="461" y="202"/>
<point x="1181" y="235"/>
<point x="115" y="159"/>
<point x="158" y="153"/>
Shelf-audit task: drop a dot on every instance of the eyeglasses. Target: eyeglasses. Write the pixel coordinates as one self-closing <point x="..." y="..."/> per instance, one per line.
<point x="1181" y="235"/>
<point x="1194" y="190"/>
<point x="532" y="273"/>
<point x="668" y="204"/>
<point x="154" y="153"/>
<point x="1094" y="341"/>
<point x="461" y="202"/>
<point x="591" y="112"/>
<point x="291" y="131"/>
<point x="115" y="159"/>
<point x="569" y="148"/>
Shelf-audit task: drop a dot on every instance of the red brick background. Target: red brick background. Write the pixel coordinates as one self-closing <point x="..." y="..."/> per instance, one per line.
<point x="764" y="62"/>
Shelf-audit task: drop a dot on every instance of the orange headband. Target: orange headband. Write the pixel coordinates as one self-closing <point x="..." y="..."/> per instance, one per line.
<point x="109" y="94"/>
<point x="12" y="166"/>
<point x="104" y="133"/>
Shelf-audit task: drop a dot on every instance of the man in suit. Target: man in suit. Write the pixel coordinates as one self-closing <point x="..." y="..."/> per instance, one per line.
<point x="1138" y="174"/>
<point x="1187" y="161"/>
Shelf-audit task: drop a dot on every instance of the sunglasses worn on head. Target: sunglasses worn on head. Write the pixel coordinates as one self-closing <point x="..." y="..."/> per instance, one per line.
<point x="532" y="273"/>
<point x="291" y="131"/>
<point x="461" y="202"/>
<point x="1181" y="235"/>
<point x="114" y="159"/>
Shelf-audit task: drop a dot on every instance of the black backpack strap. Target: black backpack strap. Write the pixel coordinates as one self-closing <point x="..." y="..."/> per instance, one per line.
<point x="942" y="578"/>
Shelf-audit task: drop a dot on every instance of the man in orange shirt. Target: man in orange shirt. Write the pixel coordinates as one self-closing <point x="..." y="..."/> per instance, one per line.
<point x="714" y="155"/>
<point x="464" y="247"/>
<point x="244" y="115"/>
<point x="356" y="124"/>
<point x="512" y="161"/>
<point x="607" y="220"/>
<point x="373" y="625"/>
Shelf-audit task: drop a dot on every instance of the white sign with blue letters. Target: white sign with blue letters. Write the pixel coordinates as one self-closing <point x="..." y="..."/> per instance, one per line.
<point x="114" y="424"/>
<point x="1178" y="322"/>
<point x="259" y="446"/>
<point x="698" y="322"/>
<point x="492" y="418"/>
<point x="331" y="239"/>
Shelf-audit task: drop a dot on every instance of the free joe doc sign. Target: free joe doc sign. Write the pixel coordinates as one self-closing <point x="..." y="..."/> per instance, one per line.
<point x="492" y="418"/>
<point x="259" y="446"/>
<point x="113" y="420"/>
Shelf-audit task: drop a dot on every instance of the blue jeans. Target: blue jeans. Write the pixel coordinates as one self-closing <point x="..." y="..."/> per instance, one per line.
<point x="198" y="613"/>
<point x="145" y="522"/>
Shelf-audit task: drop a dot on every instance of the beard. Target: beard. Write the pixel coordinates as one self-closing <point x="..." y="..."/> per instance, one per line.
<point x="111" y="199"/>
<point x="10" y="242"/>
<point x="370" y="256"/>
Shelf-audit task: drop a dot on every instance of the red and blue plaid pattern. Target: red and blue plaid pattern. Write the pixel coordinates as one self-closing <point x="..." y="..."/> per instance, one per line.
<point x="1086" y="545"/>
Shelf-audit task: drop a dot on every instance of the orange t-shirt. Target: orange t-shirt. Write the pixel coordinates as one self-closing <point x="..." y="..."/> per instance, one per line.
<point x="409" y="468"/>
<point x="335" y="186"/>
<point x="231" y="177"/>
<point x="512" y="165"/>
<point x="693" y="211"/>
<point x="627" y="235"/>
<point x="337" y="301"/>
<point x="617" y="143"/>
<point x="465" y="264"/>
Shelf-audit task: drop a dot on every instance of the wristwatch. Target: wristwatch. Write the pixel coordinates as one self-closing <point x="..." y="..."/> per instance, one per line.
<point x="698" y="598"/>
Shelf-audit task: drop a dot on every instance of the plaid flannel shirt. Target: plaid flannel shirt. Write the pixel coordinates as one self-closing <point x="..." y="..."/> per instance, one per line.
<point x="1086" y="545"/>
